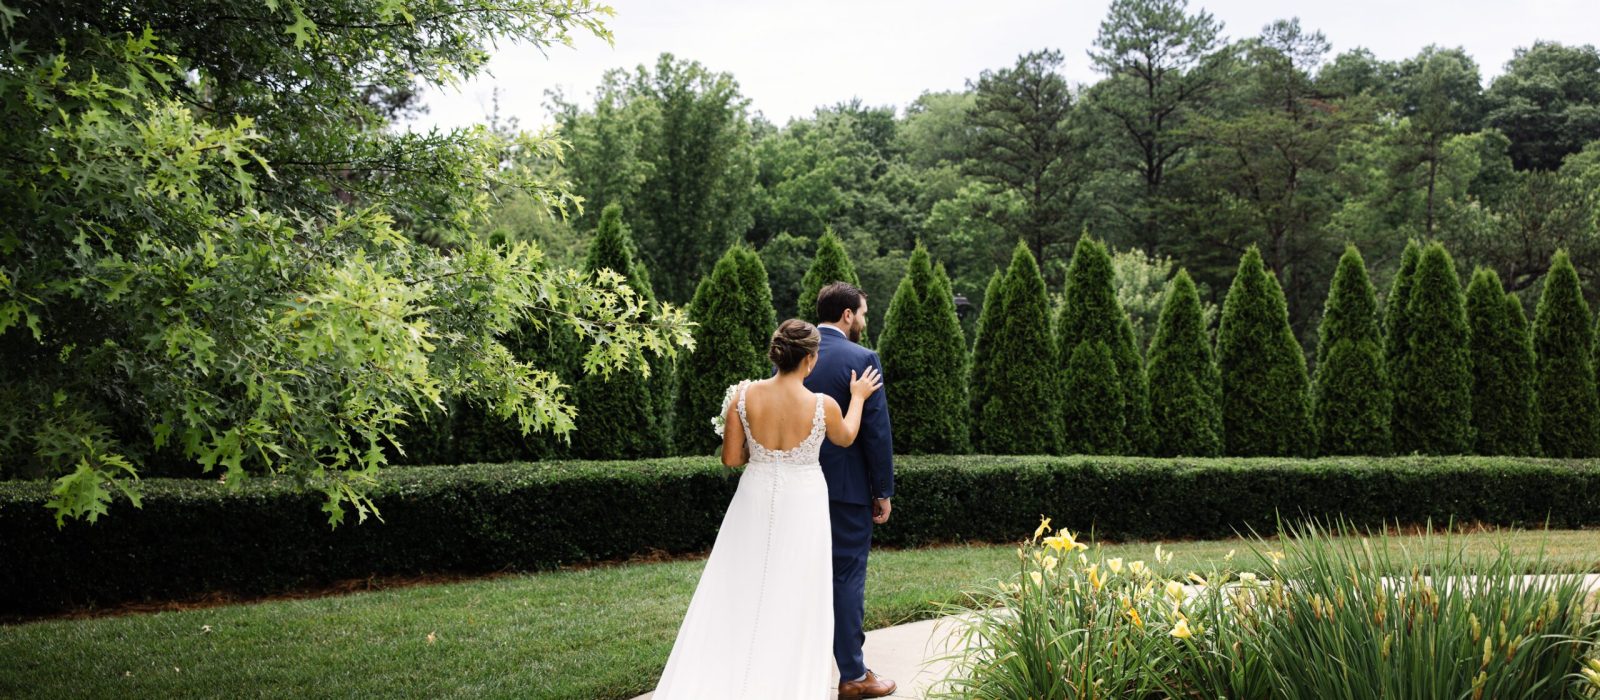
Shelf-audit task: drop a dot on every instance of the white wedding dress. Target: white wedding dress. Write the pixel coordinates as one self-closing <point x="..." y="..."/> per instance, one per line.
<point x="760" y="624"/>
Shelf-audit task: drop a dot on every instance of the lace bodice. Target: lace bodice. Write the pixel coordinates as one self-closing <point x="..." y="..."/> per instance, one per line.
<point x="805" y="453"/>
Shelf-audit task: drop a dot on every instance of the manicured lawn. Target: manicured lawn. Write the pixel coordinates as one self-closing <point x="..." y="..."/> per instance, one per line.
<point x="594" y="634"/>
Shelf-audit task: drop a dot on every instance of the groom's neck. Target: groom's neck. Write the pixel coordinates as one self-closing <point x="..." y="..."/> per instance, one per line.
<point x="837" y="327"/>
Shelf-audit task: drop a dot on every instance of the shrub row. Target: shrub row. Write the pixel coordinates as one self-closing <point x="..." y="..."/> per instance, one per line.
<point x="194" y="537"/>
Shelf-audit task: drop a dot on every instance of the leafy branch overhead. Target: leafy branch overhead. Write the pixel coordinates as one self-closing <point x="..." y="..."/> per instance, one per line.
<point x="213" y="247"/>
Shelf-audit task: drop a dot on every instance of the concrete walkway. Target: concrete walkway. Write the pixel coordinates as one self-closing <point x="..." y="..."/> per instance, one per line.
<point x="907" y="653"/>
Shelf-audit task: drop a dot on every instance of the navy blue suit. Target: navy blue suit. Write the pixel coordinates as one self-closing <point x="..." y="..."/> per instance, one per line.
<point x="856" y="475"/>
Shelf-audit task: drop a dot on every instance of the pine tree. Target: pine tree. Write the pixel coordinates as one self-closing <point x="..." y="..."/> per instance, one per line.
<point x="1433" y="383"/>
<point x="724" y="352"/>
<point x="1351" y="402"/>
<point x="831" y="264"/>
<point x="1523" y="367"/>
<point x="1394" y="318"/>
<point x="1020" y="410"/>
<point x="925" y="362"/>
<point x="1266" y="402"/>
<point x="1091" y="312"/>
<point x="1092" y="423"/>
<point x="1185" y="386"/>
<point x="1502" y="368"/>
<point x="617" y="417"/>
<point x="1569" y="410"/>
<point x="979" y="390"/>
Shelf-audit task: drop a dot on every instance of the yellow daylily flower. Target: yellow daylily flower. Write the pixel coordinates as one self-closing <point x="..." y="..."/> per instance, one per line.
<point x="1064" y="541"/>
<point x="1044" y="526"/>
<point x="1094" y="577"/>
<point x="1174" y="590"/>
<point x="1137" y="568"/>
<point x="1230" y="555"/>
<point x="1197" y="578"/>
<point x="1115" y="565"/>
<point x="1037" y="578"/>
<point x="1133" y="615"/>
<point x="1049" y="563"/>
<point x="1247" y="578"/>
<point x="1181" y="630"/>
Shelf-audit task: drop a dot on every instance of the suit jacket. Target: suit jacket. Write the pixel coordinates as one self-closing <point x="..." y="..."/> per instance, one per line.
<point x="864" y="470"/>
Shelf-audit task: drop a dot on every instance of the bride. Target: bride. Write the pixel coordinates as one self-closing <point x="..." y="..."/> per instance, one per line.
<point x="760" y="624"/>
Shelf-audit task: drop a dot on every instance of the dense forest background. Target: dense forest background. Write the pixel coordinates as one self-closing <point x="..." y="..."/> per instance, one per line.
<point x="1190" y="147"/>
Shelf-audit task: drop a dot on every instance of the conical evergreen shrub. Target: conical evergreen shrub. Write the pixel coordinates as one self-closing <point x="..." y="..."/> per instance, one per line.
<point x="1091" y="312"/>
<point x="1266" y="401"/>
<point x="1092" y="423"/>
<point x="830" y="264"/>
<point x="1502" y="395"/>
<point x="759" y="317"/>
<point x="1433" y="383"/>
<point x="1185" y="386"/>
<point x="979" y="390"/>
<point x="723" y="353"/>
<point x="1394" y="318"/>
<point x="1020" y="413"/>
<point x="617" y="415"/>
<point x="1569" y="410"/>
<point x="1523" y="373"/>
<point x="1350" y="401"/>
<point x="925" y="362"/>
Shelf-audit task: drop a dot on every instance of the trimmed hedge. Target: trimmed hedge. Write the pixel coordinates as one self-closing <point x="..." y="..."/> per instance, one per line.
<point x="193" y="537"/>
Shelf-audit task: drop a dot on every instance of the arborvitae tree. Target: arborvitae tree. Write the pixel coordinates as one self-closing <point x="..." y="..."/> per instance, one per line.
<point x="1394" y="315"/>
<point x="1185" y="386"/>
<point x="1502" y="364"/>
<point x="979" y="390"/>
<point x="1351" y="401"/>
<point x="925" y="362"/>
<point x="1433" y="382"/>
<point x="1569" y="411"/>
<point x="723" y="351"/>
<point x="1266" y="396"/>
<point x="1091" y="312"/>
<point x="1020" y="410"/>
<point x="831" y="264"/>
<point x="759" y="316"/>
<point x="1092" y="424"/>
<point x="1523" y="368"/>
<point x="617" y="417"/>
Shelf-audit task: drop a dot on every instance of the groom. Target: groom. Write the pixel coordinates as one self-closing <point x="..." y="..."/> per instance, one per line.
<point x="860" y="480"/>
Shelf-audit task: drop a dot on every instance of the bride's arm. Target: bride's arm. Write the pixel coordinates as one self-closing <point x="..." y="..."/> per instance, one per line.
<point x="733" y="450"/>
<point x="842" y="429"/>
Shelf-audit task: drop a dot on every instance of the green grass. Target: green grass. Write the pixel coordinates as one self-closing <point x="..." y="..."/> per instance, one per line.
<point x="594" y="634"/>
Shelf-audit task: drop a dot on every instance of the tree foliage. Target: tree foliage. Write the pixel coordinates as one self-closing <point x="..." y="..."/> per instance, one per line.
<point x="1569" y="410"/>
<point x="1351" y="401"/>
<point x="1266" y="402"/>
<point x="1020" y="405"/>
<point x="925" y="363"/>
<point x="1185" y="385"/>
<point x="1503" y="410"/>
<point x="1433" y="382"/>
<point x="725" y="352"/>
<point x="216" y="257"/>
<point x="1091" y="312"/>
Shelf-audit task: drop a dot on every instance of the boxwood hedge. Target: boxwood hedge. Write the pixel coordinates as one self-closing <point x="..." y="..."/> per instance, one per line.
<point x="193" y="537"/>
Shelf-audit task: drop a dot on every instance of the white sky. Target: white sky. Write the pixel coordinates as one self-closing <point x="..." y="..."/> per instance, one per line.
<point x="790" y="57"/>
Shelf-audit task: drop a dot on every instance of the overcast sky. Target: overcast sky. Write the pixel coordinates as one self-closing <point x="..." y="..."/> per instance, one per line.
<point x="790" y="57"/>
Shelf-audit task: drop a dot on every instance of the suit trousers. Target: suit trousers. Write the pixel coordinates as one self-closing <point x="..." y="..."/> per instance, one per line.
<point x="852" y="538"/>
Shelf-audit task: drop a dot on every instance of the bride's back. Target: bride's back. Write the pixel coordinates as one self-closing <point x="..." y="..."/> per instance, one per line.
<point x="781" y="417"/>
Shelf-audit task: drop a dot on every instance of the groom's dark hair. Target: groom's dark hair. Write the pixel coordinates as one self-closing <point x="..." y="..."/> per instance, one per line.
<point x="837" y="298"/>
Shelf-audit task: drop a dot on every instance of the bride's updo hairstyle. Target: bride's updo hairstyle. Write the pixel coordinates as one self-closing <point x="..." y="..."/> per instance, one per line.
<point x="792" y="343"/>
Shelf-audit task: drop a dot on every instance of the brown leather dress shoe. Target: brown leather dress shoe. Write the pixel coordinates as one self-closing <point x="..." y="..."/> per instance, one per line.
<point x="870" y="687"/>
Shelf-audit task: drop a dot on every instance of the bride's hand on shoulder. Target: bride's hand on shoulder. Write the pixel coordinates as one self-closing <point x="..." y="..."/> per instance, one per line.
<point x="869" y="381"/>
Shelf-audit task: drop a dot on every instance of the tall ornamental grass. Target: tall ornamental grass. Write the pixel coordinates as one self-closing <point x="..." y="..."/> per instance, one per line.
<point x="1322" y="612"/>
